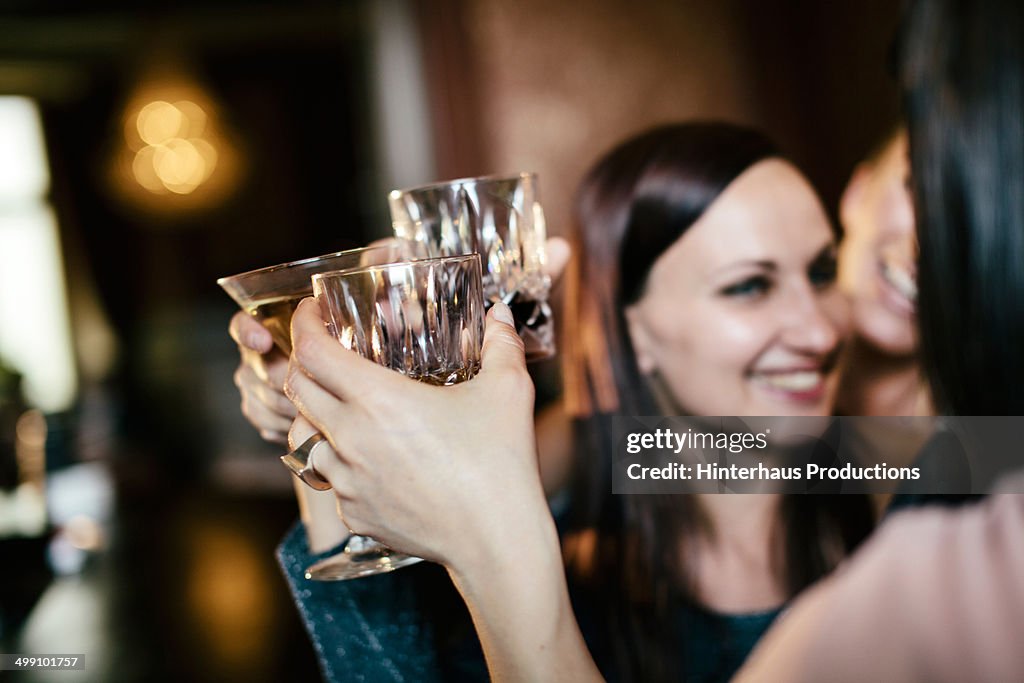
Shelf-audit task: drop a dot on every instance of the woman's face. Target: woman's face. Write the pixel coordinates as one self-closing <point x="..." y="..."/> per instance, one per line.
<point x="740" y="316"/>
<point x="877" y="268"/>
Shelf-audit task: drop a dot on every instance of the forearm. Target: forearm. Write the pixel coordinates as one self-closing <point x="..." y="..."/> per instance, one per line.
<point x="517" y="594"/>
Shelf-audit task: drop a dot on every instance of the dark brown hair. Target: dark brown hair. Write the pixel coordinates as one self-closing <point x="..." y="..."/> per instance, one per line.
<point x="624" y="551"/>
<point x="962" y="71"/>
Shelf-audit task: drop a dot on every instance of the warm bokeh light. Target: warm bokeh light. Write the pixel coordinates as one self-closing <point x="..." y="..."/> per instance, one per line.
<point x="25" y="510"/>
<point x="158" y="122"/>
<point x="30" y="431"/>
<point x="229" y="598"/>
<point x="144" y="170"/>
<point x="175" y="150"/>
<point x="194" y="119"/>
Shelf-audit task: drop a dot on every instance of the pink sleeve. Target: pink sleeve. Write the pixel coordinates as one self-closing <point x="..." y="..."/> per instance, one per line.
<point x="936" y="595"/>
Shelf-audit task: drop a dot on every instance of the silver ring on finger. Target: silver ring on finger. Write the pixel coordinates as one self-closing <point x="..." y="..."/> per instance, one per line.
<point x="300" y="462"/>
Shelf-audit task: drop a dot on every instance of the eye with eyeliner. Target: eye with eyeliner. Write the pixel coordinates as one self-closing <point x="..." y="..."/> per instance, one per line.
<point x="748" y="288"/>
<point x="822" y="273"/>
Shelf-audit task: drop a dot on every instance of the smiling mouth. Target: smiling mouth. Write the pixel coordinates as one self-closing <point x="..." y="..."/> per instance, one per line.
<point x="807" y="384"/>
<point x="808" y="387"/>
<point x="900" y="279"/>
<point x="798" y="381"/>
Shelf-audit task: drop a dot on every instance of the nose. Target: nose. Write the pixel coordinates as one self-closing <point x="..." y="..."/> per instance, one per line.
<point x="816" y="321"/>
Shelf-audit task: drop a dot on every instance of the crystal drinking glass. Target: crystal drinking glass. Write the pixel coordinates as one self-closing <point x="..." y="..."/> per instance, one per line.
<point x="424" y="319"/>
<point x="499" y="218"/>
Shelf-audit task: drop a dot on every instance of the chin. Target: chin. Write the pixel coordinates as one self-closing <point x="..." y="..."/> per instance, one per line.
<point x="893" y="338"/>
<point x="795" y="407"/>
<point x="892" y="334"/>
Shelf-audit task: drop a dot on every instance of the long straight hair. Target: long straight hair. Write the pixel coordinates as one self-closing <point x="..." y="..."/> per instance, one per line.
<point x="962" y="70"/>
<point x="624" y="551"/>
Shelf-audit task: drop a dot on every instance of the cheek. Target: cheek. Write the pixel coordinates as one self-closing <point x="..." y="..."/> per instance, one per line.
<point x="857" y="264"/>
<point x="896" y="215"/>
<point x="714" y="343"/>
<point x="896" y="335"/>
<point x="838" y="310"/>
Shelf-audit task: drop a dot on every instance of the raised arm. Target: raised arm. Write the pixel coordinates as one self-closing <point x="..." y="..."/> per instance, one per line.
<point x="449" y="474"/>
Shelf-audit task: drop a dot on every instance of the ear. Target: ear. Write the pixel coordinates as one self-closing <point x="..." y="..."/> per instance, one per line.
<point x="641" y="340"/>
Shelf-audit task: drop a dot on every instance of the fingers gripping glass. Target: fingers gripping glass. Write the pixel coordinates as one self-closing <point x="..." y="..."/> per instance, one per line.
<point x="423" y="319"/>
<point x="300" y="462"/>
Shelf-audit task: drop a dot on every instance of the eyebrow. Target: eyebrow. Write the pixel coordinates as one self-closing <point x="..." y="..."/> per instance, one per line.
<point x="771" y="266"/>
<point x="760" y="264"/>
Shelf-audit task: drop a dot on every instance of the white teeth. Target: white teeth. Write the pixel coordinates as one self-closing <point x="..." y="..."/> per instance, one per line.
<point x="901" y="280"/>
<point x="793" y="381"/>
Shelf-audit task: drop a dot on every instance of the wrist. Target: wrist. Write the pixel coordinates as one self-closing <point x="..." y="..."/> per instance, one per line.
<point x="525" y="542"/>
<point x="517" y="595"/>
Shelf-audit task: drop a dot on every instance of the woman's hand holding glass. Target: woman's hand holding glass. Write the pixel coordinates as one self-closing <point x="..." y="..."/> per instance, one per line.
<point x="267" y="297"/>
<point x="260" y="379"/>
<point x="448" y="474"/>
<point x="432" y="471"/>
<point x="262" y="366"/>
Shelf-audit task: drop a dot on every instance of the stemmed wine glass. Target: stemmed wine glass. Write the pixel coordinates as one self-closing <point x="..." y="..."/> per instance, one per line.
<point x="271" y="294"/>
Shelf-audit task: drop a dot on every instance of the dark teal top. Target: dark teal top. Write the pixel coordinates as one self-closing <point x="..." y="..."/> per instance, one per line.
<point x="411" y="625"/>
<point x="718" y="644"/>
<point x="361" y="630"/>
<point x="710" y="646"/>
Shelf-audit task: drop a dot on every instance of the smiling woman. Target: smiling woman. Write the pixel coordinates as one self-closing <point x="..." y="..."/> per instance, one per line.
<point x="755" y="312"/>
<point x="879" y="249"/>
<point x="704" y="285"/>
<point x="878" y="272"/>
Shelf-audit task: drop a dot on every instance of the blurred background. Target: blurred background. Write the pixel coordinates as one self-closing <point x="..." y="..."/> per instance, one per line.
<point x="148" y="148"/>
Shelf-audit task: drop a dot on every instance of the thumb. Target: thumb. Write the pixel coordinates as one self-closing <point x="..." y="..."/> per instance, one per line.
<point x="502" y="348"/>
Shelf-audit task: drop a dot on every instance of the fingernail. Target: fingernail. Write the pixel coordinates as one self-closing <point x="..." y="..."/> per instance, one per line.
<point x="503" y="313"/>
<point x="252" y="340"/>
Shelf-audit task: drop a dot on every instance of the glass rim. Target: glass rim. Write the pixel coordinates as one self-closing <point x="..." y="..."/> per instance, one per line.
<point x="394" y="264"/>
<point x="266" y="270"/>
<point x="468" y="180"/>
